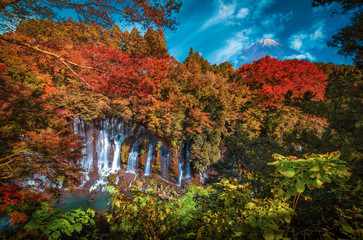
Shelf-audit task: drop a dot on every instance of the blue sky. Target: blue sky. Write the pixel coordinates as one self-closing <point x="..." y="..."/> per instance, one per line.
<point x="220" y="29"/>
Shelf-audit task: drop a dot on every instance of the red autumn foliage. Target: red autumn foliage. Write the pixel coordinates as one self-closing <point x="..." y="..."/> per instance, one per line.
<point x="122" y="74"/>
<point x="17" y="217"/>
<point x="12" y="198"/>
<point x="277" y="80"/>
<point x="9" y="195"/>
<point x="13" y="195"/>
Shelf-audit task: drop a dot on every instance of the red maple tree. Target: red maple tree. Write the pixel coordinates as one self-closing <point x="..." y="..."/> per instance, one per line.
<point x="277" y="80"/>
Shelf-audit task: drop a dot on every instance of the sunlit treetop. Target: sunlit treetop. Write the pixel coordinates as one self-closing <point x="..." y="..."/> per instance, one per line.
<point x="287" y="80"/>
<point x="148" y="13"/>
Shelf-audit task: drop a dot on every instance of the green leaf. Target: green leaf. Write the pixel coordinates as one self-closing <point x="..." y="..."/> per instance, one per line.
<point x="66" y="231"/>
<point x="300" y="186"/>
<point x="52" y="225"/>
<point x="315" y="168"/>
<point x="32" y="224"/>
<point x="280" y="192"/>
<point x="269" y="234"/>
<point x="78" y="227"/>
<point x="273" y="226"/>
<point x="347" y="228"/>
<point x="289" y="173"/>
<point x="318" y="183"/>
<point x="56" y="234"/>
<point x="250" y="205"/>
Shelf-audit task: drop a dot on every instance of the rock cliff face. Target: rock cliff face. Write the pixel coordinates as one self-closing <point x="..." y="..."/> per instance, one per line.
<point x="116" y="150"/>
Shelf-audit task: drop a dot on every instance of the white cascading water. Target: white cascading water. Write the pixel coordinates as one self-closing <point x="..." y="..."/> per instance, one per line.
<point x="148" y="160"/>
<point x="181" y="171"/>
<point x="112" y="134"/>
<point x="116" y="163"/>
<point x="187" y="171"/>
<point x="132" y="163"/>
<point x="80" y="128"/>
<point x="102" y="152"/>
<point x="103" y="149"/>
<point x="165" y="157"/>
<point x="203" y="176"/>
<point x="38" y="181"/>
<point x="107" y="137"/>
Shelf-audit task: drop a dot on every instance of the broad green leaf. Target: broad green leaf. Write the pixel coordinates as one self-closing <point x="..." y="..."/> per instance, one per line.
<point x="56" y="235"/>
<point x="32" y="224"/>
<point x="287" y="219"/>
<point x="315" y="168"/>
<point x="318" y="183"/>
<point x="280" y="192"/>
<point x="78" y="227"/>
<point x="347" y="228"/>
<point x="273" y="226"/>
<point x="66" y="231"/>
<point x="52" y="225"/>
<point x="289" y="173"/>
<point x="300" y="186"/>
<point x="269" y="234"/>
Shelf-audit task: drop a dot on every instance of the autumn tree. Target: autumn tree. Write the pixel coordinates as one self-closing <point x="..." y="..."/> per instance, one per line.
<point x="39" y="68"/>
<point x="156" y="43"/>
<point x="287" y="80"/>
<point x="195" y="62"/>
<point x="103" y="12"/>
<point x="36" y="142"/>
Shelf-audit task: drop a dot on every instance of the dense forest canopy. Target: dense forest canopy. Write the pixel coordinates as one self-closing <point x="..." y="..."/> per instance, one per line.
<point x="281" y="140"/>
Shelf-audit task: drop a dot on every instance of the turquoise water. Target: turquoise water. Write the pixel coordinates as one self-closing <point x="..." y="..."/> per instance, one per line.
<point x="96" y="201"/>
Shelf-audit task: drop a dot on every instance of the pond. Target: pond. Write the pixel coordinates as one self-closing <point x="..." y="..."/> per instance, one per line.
<point x="96" y="201"/>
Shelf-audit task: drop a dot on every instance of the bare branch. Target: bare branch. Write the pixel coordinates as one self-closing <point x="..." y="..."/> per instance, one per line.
<point x="59" y="58"/>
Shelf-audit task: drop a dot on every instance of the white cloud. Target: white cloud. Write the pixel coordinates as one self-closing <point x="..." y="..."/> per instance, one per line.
<point x="233" y="46"/>
<point x="308" y="39"/>
<point x="243" y="12"/>
<point x="297" y="41"/>
<point x="223" y="13"/>
<point x="301" y="56"/>
<point x="317" y="34"/>
<point x="309" y="56"/>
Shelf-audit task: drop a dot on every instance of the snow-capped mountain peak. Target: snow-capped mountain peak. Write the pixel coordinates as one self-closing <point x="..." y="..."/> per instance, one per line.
<point x="269" y="42"/>
<point x="267" y="47"/>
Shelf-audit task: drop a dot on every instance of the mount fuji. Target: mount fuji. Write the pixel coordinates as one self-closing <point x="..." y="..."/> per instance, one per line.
<point x="268" y="47"/>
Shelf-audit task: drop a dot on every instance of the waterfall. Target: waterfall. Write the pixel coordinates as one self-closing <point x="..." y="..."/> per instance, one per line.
<point x="148" y="159"/>
<point x="81" y="129"/>
<point x="165" y="161"/>
<point x="187" y="159"/>
<point x="203" y="176"/>
<point x="132" y="163"/>
<point x="103" y="140"/>
<point x="103" y="149"/>
<point x="111" y="136"/>
<point x="116" y="163"/>
<point x="181" y="172"/>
